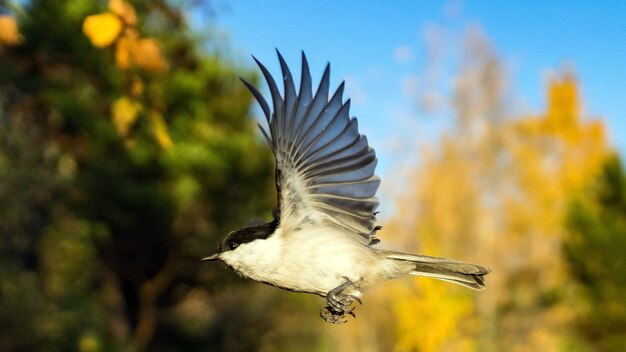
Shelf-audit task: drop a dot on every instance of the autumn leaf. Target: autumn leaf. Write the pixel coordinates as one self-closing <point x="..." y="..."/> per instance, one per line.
<point x="125" y="112"/>
<point x="102" y="29"/>
<point x="9" y="33"/>
<point x="144" y="53"/>
<point x="159" y="129"/>
<point x="147" y="55"/>
<point x="123" y="53"/>
<point x="124" y="11"/>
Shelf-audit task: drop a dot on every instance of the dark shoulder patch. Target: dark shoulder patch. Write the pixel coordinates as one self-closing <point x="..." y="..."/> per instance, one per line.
<point x="248" y="234"/>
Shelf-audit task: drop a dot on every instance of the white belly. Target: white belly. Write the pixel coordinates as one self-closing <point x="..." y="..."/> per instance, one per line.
<point x="314" y="261"/>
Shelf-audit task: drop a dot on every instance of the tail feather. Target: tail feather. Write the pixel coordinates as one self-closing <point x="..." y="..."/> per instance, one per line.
<point x="465" y="274"/>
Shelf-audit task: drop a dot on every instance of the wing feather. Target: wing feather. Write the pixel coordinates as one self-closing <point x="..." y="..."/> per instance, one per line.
<point x="324" y="167"/>
<point x="291" y="99"/>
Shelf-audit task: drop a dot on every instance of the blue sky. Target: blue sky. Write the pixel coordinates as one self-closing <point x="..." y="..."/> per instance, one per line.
<point x="379" y="48"/>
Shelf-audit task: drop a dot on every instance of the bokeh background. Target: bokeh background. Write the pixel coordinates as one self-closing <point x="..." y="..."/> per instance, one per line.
<point x="129" y="147"/>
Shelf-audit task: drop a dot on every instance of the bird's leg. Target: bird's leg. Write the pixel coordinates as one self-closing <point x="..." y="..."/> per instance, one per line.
<point x="339" y="304"/>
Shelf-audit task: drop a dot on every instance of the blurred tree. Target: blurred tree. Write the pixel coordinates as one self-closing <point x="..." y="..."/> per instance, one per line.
<point x="553" y="155"/>
<point x="454" y="194"/>
<point x="492" y="189"/>
<point x="117" y="176"/>
<point x="594" y="251"/>
<point x="444" y="213"/>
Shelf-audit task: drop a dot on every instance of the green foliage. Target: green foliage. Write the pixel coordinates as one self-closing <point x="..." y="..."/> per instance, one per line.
<point x="101" y="236"/>
<point x="594" y="252"/>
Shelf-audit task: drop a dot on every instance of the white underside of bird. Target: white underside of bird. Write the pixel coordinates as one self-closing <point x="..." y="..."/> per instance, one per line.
<point x="329" y="266"/>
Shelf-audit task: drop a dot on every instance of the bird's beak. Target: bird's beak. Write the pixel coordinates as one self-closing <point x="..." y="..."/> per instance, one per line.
<point x="212" y="257"/>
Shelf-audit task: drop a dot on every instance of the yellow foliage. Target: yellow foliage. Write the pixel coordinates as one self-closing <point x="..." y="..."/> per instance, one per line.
<point x="125" y="112"/>
<point x="102" y="29"/>
<point x="123" y="53"/>
<point x="496" y="195"/>
<point x="560" y="144"/>
<point x="9" y="33"/>
<point x="144" y="53"/>
<point x="118" y="27"/>
<point x="147" y="55"/>
<point x="432" y="316"/>
<point x="159" y="130"/>
<point x="563" y="107"/>
<point x="124" y="11"/>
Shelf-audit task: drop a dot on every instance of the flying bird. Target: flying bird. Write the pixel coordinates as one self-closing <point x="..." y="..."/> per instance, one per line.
<point x="323" y="236"/>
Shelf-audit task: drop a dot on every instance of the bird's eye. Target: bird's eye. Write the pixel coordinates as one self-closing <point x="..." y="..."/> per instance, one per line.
<point x="232" y="245"/>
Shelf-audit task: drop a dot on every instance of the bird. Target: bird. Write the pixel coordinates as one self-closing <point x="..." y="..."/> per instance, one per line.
<point x="323" y="237"/>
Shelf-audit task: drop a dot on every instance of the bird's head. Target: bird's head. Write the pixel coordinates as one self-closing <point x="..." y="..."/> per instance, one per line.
<point x="233" y="242"/>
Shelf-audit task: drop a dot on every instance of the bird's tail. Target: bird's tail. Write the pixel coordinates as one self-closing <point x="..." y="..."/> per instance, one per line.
<point x="468" y="275"/>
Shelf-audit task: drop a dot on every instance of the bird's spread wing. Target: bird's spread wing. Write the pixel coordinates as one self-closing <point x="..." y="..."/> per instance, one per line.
<point x="324" y="167"/>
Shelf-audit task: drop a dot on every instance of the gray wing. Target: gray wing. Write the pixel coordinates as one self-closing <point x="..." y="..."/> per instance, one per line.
<point x="324" y="167"/>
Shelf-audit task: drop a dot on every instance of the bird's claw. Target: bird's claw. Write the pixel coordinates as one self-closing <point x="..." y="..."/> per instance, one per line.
<point x="339" y="305"/>
<point x="342" y="303"/>
<point x="331" y="316"/>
